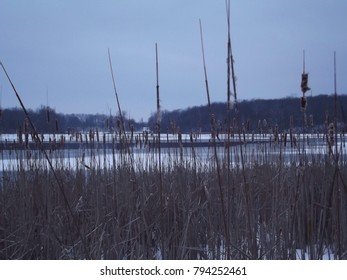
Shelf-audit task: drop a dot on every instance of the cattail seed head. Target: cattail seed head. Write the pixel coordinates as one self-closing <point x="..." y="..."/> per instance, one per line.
<point x="311" y="120"/>
<point x="303" y="103"/>
<point x="331" y="133"/>
<point x="48" y="115"/>
<point x="264" y="123"/>
<point x="56" y="125"/>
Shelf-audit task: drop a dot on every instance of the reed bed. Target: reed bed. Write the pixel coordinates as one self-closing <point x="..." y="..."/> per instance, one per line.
<point x="294" y="205"/>
<point x="126" y="195"/>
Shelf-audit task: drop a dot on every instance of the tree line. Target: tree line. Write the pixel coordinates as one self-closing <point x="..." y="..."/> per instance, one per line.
<point x="47" y="120"/>
<point x="281" y="114"/>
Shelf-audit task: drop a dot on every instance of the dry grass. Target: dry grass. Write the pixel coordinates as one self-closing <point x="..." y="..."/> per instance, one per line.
<point x="285" y="207"/>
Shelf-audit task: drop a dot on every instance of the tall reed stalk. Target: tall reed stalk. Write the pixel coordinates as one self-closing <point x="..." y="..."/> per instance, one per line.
<point x="59" y="182"/>
<point x="161" y="191"/>
<point x="213" y="132"/>
<point x="231" y="78"/>
<point x="230" y="189"/>
<point x="336" y="186"/>
<point x="122" y="122"/>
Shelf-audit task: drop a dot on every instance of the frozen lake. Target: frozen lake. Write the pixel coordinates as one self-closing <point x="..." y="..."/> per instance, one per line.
<point x="105" y="150"/>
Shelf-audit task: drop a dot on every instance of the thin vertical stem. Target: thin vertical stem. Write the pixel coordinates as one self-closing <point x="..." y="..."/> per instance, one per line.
<point x="212" y="119"/>
<point x="228" y="130"/>
<point x="159" y="152"/>
<point x="303" y="105"/>
<point x="50" y="164"/>
<point x="303" y="61"/>
<point x="228" y="83"/>
<point x="338" y="191"/>
<point x="116" y="93"/>
<point x="335" y="109"/>
<point x="121" y="118"/>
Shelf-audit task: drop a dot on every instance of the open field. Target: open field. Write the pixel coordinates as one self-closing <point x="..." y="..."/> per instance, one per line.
<point x="266" y="200"/>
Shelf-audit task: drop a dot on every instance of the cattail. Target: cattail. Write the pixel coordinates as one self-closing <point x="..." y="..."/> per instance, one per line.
<point x="56" y="125"/>
<point x="136" y="140"/>
<point x="291" y="122"/>
<point x="26" y="133"/>
<point x="264" y="125"/>
<point x="48" y="115"/>
<point x="234" y="123"/>
<point x="132" y="132"/>
<point x="270" y="140"/>
<point x="26" y="128"/>
<point x="294" y="141"/>
<point x="33" y="136"/>
<point x="91" y="136"/>
<point x="311" y="120"/>
<point x="247" y="126"/>
<point x="244" y="132"/>
<point x="276" y="138"/>
<point x="217" y="133"/>
<point x="146" y="137"/>
<point x="305" y="119"/>
<point x="20" y="135"/>
<point x="327" y="118"/>
<point x="172" y="127"/>
<point x="303" y="103"/>
<point x="26" y="140"/>
<point x="331" y="133"/>
<point x="179" y="138"/>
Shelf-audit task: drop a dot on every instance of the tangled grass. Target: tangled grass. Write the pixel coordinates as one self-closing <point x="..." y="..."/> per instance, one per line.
<point x="274" y="209"/>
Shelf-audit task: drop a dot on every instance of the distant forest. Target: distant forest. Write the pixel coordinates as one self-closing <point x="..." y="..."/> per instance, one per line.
<point x="47" y="120"/>
<point x="281" y="113"/>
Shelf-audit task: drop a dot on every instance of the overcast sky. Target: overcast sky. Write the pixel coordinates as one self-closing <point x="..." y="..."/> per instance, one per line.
<point x="56" y="51"/>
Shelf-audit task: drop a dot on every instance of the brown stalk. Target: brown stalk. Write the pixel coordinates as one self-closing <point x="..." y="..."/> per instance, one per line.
<point x="59" y="182"/>
<point x="213" y="128"/>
